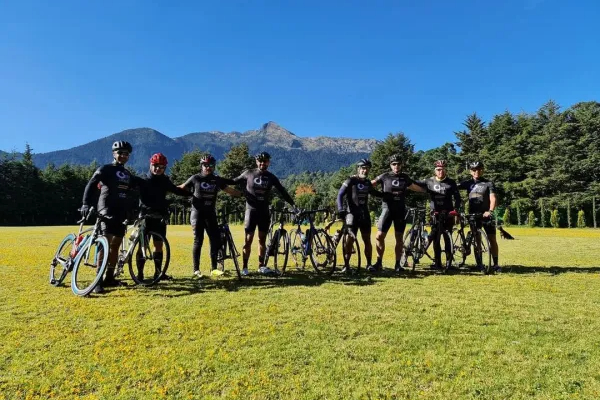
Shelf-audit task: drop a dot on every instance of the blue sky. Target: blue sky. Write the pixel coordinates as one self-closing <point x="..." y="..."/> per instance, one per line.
<point x="75" y="71"/>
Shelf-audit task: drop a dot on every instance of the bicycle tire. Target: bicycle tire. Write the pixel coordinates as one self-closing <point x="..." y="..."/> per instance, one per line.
<point x="280" y="251"/>
<point x="79" y="283"/>
<point x="446" y="255"/>
<point x="322" y="245"/>
<point x="355" y="255"/>
<point x="296" y="251"/>
<point x="61" y="262"/>
<point x="159" y="270"/>
<point x="235" y="255"/>
<point x="408" y="248"/>
<point x="483" y="256"/>
<point x="459" y="244"/>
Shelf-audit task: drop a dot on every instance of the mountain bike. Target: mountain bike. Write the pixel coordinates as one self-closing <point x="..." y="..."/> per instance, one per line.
<point x="344" y="235"/>
<point x="416" y="239"/>
<point x="476" y="239"/>
<point x="136" y="252"/>
<point x="278" y="241"/>
<point x="314" y="244"/>
<point x="90" y="257"/>
<point x="227" y="250"/>
<point x="69" y="247"/>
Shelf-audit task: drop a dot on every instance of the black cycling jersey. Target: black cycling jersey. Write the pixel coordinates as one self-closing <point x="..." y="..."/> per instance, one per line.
<point x="394" y="189"/>
<point x="153" y="193"/>
<point x="115" y="193"/>
<point x="258" y="187"/>
<point x="205" y="189"/>
<point x="479" y="194"/>
<point x="356" y="191"/>
<point x="441" y="193"/>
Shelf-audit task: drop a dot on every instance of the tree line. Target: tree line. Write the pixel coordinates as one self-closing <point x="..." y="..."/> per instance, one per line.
<point x="544" y="165"/>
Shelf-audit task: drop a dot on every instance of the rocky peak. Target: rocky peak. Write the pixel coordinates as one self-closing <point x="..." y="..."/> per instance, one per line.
<point x="273" y="128"/>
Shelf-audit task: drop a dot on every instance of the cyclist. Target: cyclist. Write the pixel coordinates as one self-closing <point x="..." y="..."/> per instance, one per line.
<point x="482" y="199"/>
<point x="114" y="203"/>
<point x="444" y="200"/>
<point x="258" y="183"/>
<point x="393" y="210"/>
<point x="205" y="187"/>
<point x="153" y="191"/>
<point x="356" y="190"/>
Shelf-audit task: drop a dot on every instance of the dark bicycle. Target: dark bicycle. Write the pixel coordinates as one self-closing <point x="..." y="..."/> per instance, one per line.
<point x="314" y="244"/>
<point x="416" y="239"/>
<point x="344" y="235"/>
<point x="475" y="239"/>
<point x="278" y="241"/>
<point x="227" y="250"/>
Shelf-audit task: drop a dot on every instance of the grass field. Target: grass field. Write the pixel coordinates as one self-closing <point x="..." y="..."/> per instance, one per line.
<point x="531" y="332"/>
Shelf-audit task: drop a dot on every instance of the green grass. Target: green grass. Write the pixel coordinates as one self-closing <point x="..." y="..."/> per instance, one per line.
<point x="528" y="333"/>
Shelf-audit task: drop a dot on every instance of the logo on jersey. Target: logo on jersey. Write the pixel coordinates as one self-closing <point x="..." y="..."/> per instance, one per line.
<point x="122" y="175"/>
<point x="261" y="181"/>
<point x="439" y="188"/>
<point x="396" y="183"/>
<point x="207" y="186"/>
<point x="360" y="186"/>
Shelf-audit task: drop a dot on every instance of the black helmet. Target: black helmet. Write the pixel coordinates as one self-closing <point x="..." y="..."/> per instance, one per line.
<point x="263" y="156"/>
<point x="364" y="162"/>
<point x="396" y="158"/>
<point x="122" y="145"/>
<point x="476" y="165"/>
<point x="208" y="159"/>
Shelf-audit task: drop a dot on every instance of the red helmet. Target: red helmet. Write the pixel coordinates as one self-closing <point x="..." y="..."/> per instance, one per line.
<point x="440" y="164"/>
<point x="208" y="159"/>
<point x="159" y="158"/>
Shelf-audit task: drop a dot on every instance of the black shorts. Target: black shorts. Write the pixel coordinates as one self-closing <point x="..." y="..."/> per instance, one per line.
<point x="113" y="226"/>
<point x="157" y="226"/>
<point x="359" y="220"/>
<point x="388" y="217"/>
<point x="256" y="217"/>
<point x="489" y="227"/>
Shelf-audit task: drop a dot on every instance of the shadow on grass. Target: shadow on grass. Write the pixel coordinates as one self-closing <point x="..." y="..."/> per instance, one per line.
<point x="553" y="269"/>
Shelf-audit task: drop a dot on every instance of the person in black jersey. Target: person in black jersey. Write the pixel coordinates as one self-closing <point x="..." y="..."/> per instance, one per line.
<point x="258" y="183"/>
<point x="445" y="201"/>
<point x="154" y="187"/>
<point x="115" y="202"/>
<point x="393" y="210"/>
<point x="482" y="199"/>
<point x="356" y="190"/>
<point x="205" y="186"/>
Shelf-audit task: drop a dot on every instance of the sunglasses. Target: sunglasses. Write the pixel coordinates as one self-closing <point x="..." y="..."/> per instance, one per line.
<point x="208" y="165"/>
<point x="158" y="166"/>
<point x="123" y="153"/>
<point x="395" y="163"/>
<point x="440" y="169"/>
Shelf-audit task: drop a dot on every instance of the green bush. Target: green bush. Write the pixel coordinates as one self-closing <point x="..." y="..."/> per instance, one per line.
<point x="581" y="219"/>
<point x="554" y="219"/>
<point x="531" y="219"/>
<point x="506" y="217"/>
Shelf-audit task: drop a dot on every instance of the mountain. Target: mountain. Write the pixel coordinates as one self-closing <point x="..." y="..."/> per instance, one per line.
<point x="290" y="153"/>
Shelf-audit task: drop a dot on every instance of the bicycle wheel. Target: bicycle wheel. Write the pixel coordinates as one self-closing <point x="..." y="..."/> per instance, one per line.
<point x="409" y="249"/>
<point x="279" y="250"/>
<point x="89" y="266"/>
<point x="297" y="252"/>
<point x="483" y="255"/>
<point x="447" y="250"/>
<point x="61" y="263"/>
<point x="459" y="246"/>
<point x="322" y="254"/>
<point x="143" y="254"/>
<point x="353" y="258"/>
<point x="234" y="255"/>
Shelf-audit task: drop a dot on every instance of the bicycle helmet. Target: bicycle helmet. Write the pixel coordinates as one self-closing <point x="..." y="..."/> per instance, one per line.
<point x="476" y="165"/>
<point x="159" y="158"/>
<point x="122" y="145"/>
<point x="364" y="162"/>
<point x="395" y="158"/>
<point x="440" y="164"/>
<point x="208" y="159"/>
<point x="263" y="156"/>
